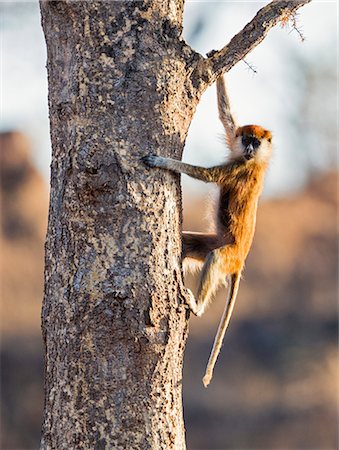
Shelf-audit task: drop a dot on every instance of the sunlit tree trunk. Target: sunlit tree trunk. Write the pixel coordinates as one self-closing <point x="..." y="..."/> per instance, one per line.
<point x="114" y="319"/>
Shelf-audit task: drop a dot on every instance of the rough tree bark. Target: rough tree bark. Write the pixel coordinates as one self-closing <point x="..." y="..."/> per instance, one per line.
<point x="122" y="84"/>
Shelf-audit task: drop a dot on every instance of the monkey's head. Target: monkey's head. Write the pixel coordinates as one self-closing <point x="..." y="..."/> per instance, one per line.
<point x="253" y="142"/>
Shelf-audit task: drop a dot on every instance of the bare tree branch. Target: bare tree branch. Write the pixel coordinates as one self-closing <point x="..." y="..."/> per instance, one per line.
<point x="218" y="62"/>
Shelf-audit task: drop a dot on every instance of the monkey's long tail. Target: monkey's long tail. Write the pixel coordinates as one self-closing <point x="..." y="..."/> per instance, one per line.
<point x="231" y="297"/>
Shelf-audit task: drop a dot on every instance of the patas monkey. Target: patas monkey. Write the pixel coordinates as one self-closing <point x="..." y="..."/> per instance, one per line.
<point x="240" y="182"/>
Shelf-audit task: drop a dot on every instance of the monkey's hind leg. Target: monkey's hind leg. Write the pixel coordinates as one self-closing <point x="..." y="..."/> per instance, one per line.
<point x="198" y="245"/>
<point x="195" y="248"/>
<point x="212" y="275"/>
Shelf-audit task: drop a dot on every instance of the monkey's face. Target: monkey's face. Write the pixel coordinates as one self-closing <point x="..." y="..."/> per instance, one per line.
<point x="253" y="143"/>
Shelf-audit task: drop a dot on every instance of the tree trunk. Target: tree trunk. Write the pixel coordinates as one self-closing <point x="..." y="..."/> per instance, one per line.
<point x="114" y="319"/>
<point x="122" y="84"/>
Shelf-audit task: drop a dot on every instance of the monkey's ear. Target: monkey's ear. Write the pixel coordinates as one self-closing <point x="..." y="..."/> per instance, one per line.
<point x="267" y="135"/>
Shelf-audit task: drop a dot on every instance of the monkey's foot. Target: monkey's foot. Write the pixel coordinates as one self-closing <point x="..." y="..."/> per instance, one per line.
<point x="191" y="302"/>
<point x="153" y="160"/>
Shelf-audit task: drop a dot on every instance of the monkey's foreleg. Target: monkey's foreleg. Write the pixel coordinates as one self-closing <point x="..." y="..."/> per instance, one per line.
<point x="231" y="297"/>
<point x="200" y="173"/>
<point x="225" y="114"/>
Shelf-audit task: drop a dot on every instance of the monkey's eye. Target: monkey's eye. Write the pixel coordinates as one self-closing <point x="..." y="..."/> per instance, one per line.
<point x="250" y="140"/>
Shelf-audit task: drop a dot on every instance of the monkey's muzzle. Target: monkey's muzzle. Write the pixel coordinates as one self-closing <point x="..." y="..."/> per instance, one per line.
<point x="249" y="151"/>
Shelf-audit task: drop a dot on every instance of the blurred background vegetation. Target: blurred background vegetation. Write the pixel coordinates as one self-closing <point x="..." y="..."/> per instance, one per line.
<point x="276" y="380"/>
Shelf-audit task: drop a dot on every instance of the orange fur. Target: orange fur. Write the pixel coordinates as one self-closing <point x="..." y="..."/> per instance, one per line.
<point x="243" y="187"/>
<point x="254" y="130"/>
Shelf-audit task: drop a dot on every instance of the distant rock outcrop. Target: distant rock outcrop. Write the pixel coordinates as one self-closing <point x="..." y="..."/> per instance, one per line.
<point x="24" y="206"/>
